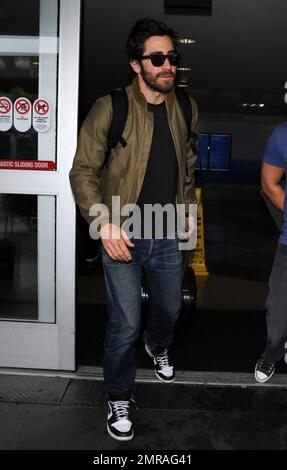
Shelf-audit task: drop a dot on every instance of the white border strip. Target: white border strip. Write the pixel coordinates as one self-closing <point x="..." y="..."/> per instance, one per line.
<point x="28" y="46"/>
<point x="220" y="379"/>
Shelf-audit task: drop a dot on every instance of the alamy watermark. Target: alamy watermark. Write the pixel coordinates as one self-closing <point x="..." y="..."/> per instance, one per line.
<point x="154" y="221"/>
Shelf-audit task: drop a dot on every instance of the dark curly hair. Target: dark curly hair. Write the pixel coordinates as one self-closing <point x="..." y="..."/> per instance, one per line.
<point x="143" y="29"/>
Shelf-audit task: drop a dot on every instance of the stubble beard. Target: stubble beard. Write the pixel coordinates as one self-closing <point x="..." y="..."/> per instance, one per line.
<point x="151" y="81"/>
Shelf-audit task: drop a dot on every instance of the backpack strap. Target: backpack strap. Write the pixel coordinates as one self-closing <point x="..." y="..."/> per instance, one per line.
<point x="120" y="113"/>
<point x="186" y="108"/>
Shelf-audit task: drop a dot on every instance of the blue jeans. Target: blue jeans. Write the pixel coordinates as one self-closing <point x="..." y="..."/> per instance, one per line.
<point x="162" y="262"/>
<point x="276" y="317"/>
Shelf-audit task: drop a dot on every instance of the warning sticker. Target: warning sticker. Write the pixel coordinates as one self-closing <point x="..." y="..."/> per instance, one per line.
<point x="22" y="114"/>
<point x="42" y="165"/>
<point x="5" y="113"/>
<point x="41" y="115"/>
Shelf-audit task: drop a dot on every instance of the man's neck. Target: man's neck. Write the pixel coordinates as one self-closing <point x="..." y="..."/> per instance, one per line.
<point x="151" y="96"/>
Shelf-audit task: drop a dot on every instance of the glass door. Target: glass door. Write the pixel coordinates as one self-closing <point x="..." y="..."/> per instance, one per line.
<point x="39" y="60"/>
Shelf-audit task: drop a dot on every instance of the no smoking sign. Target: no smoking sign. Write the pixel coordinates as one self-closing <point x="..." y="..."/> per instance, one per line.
<point x="5" y="105"/>
<point x="5" y="113"/>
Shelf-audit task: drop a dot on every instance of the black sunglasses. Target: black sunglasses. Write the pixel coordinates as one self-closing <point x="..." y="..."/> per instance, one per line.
<point x="158" y="59"/>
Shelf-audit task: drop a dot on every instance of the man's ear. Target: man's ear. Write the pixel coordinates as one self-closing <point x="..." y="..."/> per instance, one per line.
<point x="135" y="66"/>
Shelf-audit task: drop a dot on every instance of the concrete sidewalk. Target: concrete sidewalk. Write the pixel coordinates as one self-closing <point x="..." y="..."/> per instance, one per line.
<point x="56" y="413"/>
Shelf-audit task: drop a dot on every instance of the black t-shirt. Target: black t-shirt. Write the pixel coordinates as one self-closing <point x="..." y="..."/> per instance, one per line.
<point x="161" y="177"/>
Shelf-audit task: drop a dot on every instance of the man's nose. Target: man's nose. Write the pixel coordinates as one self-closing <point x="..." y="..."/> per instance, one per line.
<point x="166" y="64"/>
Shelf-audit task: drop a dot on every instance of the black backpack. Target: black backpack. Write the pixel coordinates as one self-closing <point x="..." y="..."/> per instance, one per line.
<point x="120" y="112"/>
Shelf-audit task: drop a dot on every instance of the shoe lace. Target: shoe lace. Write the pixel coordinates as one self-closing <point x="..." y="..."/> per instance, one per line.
<point x="163" y="361"/>
<point x="266" y="366"/>
<point x="120" y="409"/>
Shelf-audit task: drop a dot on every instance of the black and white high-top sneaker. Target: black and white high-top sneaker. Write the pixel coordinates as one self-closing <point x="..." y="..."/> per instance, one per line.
<point x="119" y="425"/>
<point x="162" y="365"/>
<point x="264" y="370"/>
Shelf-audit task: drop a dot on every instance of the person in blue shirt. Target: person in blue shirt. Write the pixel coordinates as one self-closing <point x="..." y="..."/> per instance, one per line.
<point x="273" y="171"/>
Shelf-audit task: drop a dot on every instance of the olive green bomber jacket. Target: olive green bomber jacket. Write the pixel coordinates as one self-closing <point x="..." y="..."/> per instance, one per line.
<point x="94" y="184"/>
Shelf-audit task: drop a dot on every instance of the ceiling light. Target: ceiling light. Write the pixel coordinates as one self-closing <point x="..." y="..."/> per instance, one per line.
<point x="182" y="85"/>
<point x="252" y="105"/>
<point x="184" y="69"/>
<point x="187" y="41"/>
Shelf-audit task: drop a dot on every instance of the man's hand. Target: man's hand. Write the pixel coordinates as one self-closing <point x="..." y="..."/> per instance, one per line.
<point x="189" y="227"/>
<point x="115" y="242"/>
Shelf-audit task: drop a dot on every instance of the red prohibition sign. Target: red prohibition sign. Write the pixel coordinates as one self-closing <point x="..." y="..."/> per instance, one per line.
<point x="41" y="107"/>
<point x="5" y="106"/>
<point x="22" y="106"/>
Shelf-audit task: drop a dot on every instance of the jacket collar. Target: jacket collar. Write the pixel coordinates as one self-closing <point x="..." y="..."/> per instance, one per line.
<point x="169" y="97"/>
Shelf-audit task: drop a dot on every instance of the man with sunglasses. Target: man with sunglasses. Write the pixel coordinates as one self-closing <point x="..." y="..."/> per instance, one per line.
<point x="154" y="166"/>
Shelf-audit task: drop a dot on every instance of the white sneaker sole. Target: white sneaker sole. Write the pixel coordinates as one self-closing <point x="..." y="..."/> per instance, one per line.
<point x="120" y="438"/>
<point x="166" y="381"/>
<point x="261" y="381"/>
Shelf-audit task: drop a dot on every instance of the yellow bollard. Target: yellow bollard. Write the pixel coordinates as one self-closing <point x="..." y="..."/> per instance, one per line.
<point x="197" y="257"/>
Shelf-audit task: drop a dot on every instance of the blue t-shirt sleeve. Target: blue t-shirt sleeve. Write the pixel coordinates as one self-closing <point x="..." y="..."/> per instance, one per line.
<point x="273" y="153"/>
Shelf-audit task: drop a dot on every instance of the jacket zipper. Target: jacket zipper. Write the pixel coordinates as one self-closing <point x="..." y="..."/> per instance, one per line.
<point x="145" y="128"/>
<point x="177" y="156"/>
